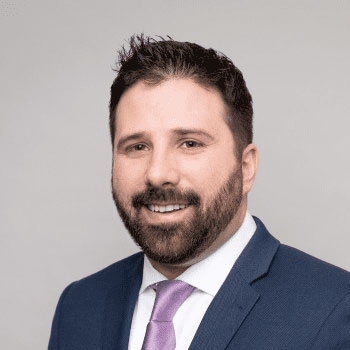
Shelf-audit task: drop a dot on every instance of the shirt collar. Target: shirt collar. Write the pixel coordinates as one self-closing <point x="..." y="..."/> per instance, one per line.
<point x="205" y="275"/>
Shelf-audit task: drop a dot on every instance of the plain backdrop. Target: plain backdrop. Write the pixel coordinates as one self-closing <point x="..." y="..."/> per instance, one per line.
<point x="58" y="220"/>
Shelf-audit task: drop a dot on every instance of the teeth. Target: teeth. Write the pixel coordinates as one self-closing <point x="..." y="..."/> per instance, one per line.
<point x="166" y="208"/>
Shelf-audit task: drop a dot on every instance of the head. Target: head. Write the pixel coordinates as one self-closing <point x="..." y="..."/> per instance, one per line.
<point x="157" y="61"/>
<point x="183" y="158"/>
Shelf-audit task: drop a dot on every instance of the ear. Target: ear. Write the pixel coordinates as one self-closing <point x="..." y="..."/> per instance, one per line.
<point x="250" y="160"/>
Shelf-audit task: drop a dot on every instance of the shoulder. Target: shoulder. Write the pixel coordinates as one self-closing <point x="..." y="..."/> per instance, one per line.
<point x="305" y="295"/>
<point x="317" y="292"/>
<point x="118" y="268"/>
<point x="295" y="261"/>
<point x="306" y="275"/>
<point x="293" y="269"/>
<point x="112" y="276"/>
<point x="81" y="308"/>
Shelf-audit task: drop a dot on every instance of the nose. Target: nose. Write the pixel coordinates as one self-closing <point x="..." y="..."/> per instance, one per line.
<point x="162" y="170"/>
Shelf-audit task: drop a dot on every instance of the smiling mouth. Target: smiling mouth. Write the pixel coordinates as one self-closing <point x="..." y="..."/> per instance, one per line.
<point x="170" y="208"/>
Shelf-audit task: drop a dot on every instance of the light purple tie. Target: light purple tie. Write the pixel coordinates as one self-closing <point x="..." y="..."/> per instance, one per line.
<point x="160" y="333"/>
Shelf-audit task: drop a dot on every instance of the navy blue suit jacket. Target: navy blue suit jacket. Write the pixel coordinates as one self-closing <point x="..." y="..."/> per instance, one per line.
<point x="275" y="297"/>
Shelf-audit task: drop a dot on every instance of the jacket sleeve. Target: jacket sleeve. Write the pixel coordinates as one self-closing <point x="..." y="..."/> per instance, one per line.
<point x="335" y="331"/>
<point x="55" y="329"/>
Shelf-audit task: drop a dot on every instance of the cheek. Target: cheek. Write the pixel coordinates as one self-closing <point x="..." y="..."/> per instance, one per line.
<point x="127" y="176"/>
<point x="207" y="174"/>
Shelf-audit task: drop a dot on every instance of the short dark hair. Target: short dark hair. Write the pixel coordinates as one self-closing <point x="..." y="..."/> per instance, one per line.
<point x="154" y="61"/>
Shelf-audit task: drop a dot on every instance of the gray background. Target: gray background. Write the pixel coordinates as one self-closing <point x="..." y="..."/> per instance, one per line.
<point x="58" y="221"/>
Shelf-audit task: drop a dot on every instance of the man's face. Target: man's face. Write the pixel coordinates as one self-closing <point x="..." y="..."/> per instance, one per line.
<point x="176" y="182"/>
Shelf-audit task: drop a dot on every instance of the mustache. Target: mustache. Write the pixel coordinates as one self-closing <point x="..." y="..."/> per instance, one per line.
<point x="153" y="194"/>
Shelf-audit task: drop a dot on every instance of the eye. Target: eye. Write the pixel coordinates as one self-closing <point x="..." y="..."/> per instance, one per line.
<point x="137" y="147"/>
<point x="192" y="144"/>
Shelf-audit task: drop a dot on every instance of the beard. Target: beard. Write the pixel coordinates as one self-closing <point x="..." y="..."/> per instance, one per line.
<point x="175" y="243"/>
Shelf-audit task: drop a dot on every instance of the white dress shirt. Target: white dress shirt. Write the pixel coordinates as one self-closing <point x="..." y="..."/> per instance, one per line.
<point x="207" y="276"/>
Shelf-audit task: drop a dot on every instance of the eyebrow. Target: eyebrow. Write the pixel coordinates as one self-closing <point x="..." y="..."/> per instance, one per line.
<point x="123" y="140"/>
<point x="182" y="132"/>
<point x="178" y="131"/>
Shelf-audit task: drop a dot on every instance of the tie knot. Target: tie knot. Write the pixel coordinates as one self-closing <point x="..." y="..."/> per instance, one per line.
<point x="170" y="295"/>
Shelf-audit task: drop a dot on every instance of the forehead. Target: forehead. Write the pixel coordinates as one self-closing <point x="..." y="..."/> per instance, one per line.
<point x="175" y="103"/>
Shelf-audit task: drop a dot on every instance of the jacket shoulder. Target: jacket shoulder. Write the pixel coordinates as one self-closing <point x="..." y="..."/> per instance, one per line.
<point x="79" y="315"/>
<point x="110" y="275"/>
<point x="308" y="273"/>
<point x="94" y="288"/>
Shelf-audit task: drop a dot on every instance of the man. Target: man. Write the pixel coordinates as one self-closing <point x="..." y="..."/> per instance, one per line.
<point x="210" y="276"/>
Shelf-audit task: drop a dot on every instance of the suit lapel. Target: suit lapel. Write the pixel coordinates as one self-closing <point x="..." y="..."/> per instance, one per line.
<point x="225" y="314"/>
<point x="119" y="307"/>
<point x="236" y="297"/>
